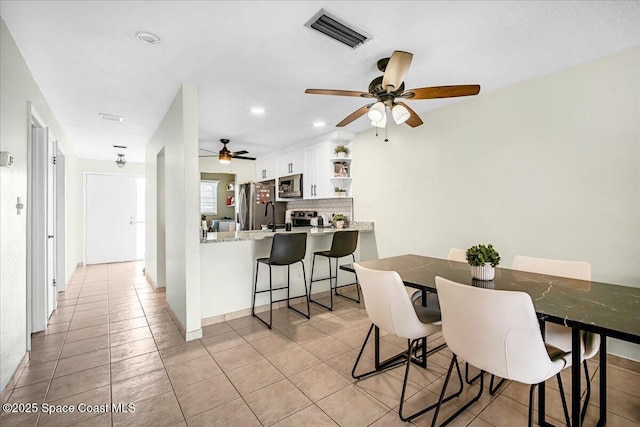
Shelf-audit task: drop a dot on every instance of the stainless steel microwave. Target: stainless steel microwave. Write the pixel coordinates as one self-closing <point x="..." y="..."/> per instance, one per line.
<point x="290" y="187"/>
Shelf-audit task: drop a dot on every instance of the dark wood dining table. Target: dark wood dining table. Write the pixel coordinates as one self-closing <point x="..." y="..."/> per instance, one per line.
<point x="602" y="308"/>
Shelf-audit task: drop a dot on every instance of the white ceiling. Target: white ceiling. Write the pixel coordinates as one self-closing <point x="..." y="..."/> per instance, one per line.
<point x="241" y="54"/>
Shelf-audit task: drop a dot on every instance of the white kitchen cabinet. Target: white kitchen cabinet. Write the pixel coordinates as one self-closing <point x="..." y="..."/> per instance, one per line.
<point x="316" y="172"/>
<point x="291" y="163"/>
<point x="266" y="169"/>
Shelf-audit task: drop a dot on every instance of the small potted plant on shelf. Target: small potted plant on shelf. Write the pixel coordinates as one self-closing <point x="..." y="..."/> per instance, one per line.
<point x="341" y="151"/>
<point x="340" y="192"/>
<point x="339" y="220"/>
<point x="483" y="260"/>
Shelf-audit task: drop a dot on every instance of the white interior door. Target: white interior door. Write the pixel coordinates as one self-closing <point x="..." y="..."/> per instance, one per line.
<point x="38" y="232"/>
<point x="52" y="293"/>
<point x="111" y="218"/>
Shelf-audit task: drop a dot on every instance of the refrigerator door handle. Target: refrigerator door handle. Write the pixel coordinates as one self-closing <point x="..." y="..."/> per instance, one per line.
<point x="243" y="207"/>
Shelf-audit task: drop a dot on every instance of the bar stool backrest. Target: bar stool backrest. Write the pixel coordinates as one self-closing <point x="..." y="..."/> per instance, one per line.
<point x="288" y="248"/>
<point x="344" y="243"/>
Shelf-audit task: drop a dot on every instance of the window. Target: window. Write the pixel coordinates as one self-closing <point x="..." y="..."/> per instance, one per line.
<point x="209" y="197"/>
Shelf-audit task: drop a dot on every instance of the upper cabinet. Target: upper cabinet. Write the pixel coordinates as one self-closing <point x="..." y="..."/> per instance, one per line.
<point x="316" y="172"/>
<point x="266" y="169"/>
<point x="325" y="166"/>
<point x="291" y="163"/>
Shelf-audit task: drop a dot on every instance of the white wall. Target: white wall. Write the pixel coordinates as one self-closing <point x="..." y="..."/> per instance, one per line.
<point x="245" y="170"/>
<point x="17" y="88"/>
<point x="178" y="135"/>
<point x="548" y="168"/>
<point x="97" y="166"/>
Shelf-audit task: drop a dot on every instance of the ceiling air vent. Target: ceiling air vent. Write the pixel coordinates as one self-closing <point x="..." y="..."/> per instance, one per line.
<point x="334" y="27"/>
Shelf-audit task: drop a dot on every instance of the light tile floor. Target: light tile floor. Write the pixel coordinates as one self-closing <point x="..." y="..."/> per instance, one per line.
<point x="112" y="341"/>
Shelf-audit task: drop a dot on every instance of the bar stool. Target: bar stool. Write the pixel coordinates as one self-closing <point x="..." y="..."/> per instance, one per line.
<point x="343" y="244"/>
<point x="286" y="249"/>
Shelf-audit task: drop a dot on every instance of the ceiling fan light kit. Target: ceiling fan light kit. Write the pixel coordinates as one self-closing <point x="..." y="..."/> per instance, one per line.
<point x="381" y="123"/>
<point x="377" y="112"/>
<point x="389" y="87"/>
<point x="400" y="114"/>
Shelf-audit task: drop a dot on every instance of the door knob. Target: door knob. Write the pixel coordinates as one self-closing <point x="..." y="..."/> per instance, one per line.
<point x="49" y="237"/>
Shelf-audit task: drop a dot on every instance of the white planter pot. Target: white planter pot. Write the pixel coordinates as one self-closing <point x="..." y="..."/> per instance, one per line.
<point x="339" y="224"/>
<point x="341" y="155"/>
<point x="483" y="272"/>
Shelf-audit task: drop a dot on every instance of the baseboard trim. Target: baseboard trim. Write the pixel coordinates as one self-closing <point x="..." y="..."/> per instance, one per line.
<point x="188" y="336"/>
<point x="206" y="321"/>
<point x="6" y="392"/>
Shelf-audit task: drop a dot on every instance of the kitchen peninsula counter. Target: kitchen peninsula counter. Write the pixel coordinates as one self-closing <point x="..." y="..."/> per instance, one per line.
<point x="236" y="236"/>
<point x="227" y="269"/>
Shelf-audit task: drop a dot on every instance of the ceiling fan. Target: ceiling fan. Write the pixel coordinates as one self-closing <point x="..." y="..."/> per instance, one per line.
<point x="388" y="89"/>
<point x="225" y="155"/>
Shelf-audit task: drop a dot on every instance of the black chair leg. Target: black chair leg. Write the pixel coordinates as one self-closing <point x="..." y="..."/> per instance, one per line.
<point x="383" y="366"/>
<point x="330" y="306"/>
<point x="255" y="288"/>
<point x="410" y="351"/>
<point x="567" y="418"/>
<point x="583" y="413"/>
<point x="441" y="399"/>
<point x="255" y="284"/>
<point x="532" y="390"/>
<point x="355" y="283"/>
<point x="492" y="389"/>
<point x="304" y="275"/>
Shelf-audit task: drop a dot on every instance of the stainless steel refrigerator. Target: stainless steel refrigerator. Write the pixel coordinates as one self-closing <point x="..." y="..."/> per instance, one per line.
<point x="253" y="198"/>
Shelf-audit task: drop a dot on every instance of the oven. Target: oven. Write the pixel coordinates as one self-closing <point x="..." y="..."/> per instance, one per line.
<point x="302" y="218"/>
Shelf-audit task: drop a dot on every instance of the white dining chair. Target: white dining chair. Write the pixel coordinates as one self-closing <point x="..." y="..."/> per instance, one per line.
<point x="390" y="309"/>
<point x="498" y="333"/>
<point x="557" y="335"/>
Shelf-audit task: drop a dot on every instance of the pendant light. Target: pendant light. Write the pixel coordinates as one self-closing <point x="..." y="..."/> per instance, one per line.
<point x="400" y="114"/>
<point x="120" y="161"/>
<point x="376" y="112"/>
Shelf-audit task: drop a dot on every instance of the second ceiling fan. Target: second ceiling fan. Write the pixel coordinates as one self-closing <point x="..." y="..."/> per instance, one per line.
<point x="225" y="156"/>
<point x="389" y="87"/>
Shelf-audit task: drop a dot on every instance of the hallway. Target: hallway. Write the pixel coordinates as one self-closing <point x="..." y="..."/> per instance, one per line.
<point x="113" y="341"/>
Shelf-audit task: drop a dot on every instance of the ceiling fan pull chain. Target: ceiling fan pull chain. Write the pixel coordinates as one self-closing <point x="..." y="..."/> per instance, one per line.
<point x="386" y="133"/>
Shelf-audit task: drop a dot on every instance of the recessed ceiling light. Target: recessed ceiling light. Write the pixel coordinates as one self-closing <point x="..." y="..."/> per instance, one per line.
<point x="318" y="124"/>
<point x="111" y="117"/>
<point x="257" y="110"/>
<point x="147" y="38"/>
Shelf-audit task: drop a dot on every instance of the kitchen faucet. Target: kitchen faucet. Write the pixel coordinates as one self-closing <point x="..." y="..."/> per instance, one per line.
<point x="273" y="214"/>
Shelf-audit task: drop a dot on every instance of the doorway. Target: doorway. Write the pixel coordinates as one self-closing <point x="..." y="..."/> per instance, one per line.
<point x="114" y="218"/>
<point x="45" y="214"/>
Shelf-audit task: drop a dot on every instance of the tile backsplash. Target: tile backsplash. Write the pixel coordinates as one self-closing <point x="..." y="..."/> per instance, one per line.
<point x="328" y="207"/>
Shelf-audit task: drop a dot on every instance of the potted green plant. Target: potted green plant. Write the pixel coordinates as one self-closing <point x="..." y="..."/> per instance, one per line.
<point x="483" y="260"/>
<point x="341" y="192"/>
<point x="341" y="151"/>
<point x="339" y="220"/>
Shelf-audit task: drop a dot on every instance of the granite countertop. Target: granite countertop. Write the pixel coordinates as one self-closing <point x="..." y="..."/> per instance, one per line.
<point x="236" y="236"/>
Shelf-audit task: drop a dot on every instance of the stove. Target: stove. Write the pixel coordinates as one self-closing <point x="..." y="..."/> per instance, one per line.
<point x="302" y="218"/>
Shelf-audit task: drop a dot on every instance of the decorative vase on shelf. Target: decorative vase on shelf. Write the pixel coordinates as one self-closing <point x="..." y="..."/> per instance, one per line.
<point x="483" y="272"/>
<point x="342" y="155"/>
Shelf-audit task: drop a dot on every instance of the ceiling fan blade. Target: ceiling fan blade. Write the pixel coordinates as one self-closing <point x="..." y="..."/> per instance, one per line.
<point x="209" y="151"/>
<point x="338" y="92"/>
<point x="414" y="120"/>
<point x="239" y="153"/>
<point x="396" y="70"/>
<point x="441" y="92"/>
<point x="355" y="115"/>
<point x="243" y="157"/>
